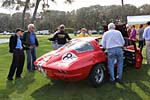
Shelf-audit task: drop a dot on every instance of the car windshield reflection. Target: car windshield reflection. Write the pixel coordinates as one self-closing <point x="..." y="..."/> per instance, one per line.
<point x="79" y="46"/>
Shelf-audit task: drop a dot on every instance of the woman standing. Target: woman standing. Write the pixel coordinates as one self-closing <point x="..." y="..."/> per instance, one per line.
<point x="141" y="40"/>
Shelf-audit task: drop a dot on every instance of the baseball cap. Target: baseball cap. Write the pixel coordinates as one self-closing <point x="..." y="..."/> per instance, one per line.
<point x="61" y="26"/>
<point x="19" y="29"/>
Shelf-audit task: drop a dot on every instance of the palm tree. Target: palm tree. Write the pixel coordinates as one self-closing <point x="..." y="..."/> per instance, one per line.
<point x="45" y="5"/>
<point x="122" y="2"/>
<point x="24" y="11"/>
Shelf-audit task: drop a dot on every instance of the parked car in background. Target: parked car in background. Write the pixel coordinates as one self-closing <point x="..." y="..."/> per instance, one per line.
<point x="100" y="31"/>
<point x="43" y="32"/>
<point x="94" y="32"/>
<point x="8" y="33"/>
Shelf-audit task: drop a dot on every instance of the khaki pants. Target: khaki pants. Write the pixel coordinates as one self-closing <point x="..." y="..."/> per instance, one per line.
<point x="148" y="51"/>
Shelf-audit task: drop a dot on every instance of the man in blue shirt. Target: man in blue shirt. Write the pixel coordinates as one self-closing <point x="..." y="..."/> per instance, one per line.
<point x="31" y="42"/>
<point x="113" y="41"/>
<point x="146" y="36"/>
<point x="16" y="47"/>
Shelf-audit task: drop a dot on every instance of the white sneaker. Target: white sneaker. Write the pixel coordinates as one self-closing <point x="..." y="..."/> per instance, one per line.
<point x="147" y="63"/>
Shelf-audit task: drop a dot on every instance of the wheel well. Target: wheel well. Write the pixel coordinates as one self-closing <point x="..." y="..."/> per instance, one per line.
<point x="104" y="67"/>
<point x="91" y="77"/>
<point x="101" y="63"/>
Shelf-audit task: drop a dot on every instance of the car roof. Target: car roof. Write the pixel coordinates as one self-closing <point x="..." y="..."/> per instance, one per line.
<point x="88" y="38"/>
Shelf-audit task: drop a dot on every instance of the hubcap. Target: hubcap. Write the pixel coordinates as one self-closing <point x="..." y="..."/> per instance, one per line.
<point x="99" y="75"/>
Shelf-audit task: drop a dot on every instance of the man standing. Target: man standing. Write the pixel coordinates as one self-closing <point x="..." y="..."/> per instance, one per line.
<point x="113" y="41"/>
<point x="31" y="42"/>
<point x="61" y="37"/>
<point x="16" y="47"/>
<point x="146" y="36"/>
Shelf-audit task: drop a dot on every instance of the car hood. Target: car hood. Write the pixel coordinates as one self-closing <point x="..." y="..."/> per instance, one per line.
<point x="56" y="59"/>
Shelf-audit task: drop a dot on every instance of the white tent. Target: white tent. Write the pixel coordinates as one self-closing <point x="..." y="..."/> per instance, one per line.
<point x="143" y="19"/>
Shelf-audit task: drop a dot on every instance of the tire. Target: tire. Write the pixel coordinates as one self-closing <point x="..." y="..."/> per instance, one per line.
<point x="97" y="75"/>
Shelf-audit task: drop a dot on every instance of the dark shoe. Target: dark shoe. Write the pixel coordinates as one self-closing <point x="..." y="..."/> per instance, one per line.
<point x="33" y="69"/>
<point x="112" y="82"/>
<point x="10" y="79"/>
<point x="29" y="70"/>
<point x="119" y="81"/>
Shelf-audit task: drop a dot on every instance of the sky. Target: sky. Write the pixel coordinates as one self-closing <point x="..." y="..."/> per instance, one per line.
<point x="60" y="5"/>
<point x="85" y="3"/>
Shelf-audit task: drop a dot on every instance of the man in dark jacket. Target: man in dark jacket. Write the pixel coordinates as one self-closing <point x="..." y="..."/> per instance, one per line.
<point x="16" y="47"/>
<point x="61" y="37"/>
<point x="31" y="42"/>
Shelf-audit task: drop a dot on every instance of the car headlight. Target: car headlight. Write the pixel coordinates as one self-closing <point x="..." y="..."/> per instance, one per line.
<point x="69" y="57"/>
<point x="46" y="58"/>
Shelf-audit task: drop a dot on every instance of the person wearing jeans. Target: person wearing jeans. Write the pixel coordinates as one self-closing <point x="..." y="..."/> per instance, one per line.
<point x="30" y="42"/>
<point x="115" y="54"/>
<point x="113" y="42"/>
<point x="31" y="57"/>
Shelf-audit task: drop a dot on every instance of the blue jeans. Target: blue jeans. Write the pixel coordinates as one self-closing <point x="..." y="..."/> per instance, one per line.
<point x="31" y="57"/>
<point x="115" y="54"/>
<point x="59" y="45"/>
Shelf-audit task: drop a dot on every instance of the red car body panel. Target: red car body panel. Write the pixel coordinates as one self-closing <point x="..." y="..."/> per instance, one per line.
<point x="77" y="69"/>
<point x="79" y="66"/>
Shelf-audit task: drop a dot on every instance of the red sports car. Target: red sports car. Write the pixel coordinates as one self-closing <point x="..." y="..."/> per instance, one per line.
<point x="83" y="58"/>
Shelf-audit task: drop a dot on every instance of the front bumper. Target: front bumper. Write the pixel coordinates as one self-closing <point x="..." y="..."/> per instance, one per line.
<point x="62" y="75"/>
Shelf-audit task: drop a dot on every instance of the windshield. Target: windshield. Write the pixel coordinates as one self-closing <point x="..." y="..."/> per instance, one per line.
<point x="79" y="46"/>
<point x="99" y="41"/>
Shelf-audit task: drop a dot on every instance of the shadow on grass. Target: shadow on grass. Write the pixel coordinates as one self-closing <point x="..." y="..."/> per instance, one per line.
<point x="59" y="90"/>
<point x="18" y="85"/>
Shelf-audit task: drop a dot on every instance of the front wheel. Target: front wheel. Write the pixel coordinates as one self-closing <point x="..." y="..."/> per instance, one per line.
<point x="97" y="75"/>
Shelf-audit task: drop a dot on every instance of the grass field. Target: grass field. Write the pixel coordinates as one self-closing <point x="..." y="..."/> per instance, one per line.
<point x="34" y="86"/>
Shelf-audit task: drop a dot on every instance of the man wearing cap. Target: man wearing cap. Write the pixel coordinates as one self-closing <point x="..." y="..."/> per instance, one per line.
<point x="16" y="47"/>
<point x="113" y="41"/>
<point x="31" y="42"/>
<point x="61" y="37"/>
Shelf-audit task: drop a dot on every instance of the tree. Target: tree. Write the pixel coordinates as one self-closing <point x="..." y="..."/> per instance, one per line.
<point x="17" y="4"/>
<point x="24" y="11"/>
<point x="8" y="3"/>
<point x="35" y="11"/>
<point x="44" y="5"/>
<point x="4" y="19"/>
<point x="144" y="9"/>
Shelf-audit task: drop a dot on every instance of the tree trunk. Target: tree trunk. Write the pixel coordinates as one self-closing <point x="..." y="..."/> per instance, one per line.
<point x="35" y="11"/>
<point x="122" y="19"/>
<point x="122" y="2"/>
<point x="24" y="12"/>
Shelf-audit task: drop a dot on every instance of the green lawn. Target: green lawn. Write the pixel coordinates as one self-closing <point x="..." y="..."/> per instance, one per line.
<point x="34" y="86"/>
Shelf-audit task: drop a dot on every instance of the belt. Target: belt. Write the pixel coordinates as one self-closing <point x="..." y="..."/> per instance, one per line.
<point x="19" y="49"/>
<point x="115" y="47"/>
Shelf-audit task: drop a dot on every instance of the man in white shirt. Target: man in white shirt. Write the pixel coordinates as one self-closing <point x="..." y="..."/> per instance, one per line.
<point x="113" y="42"/>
